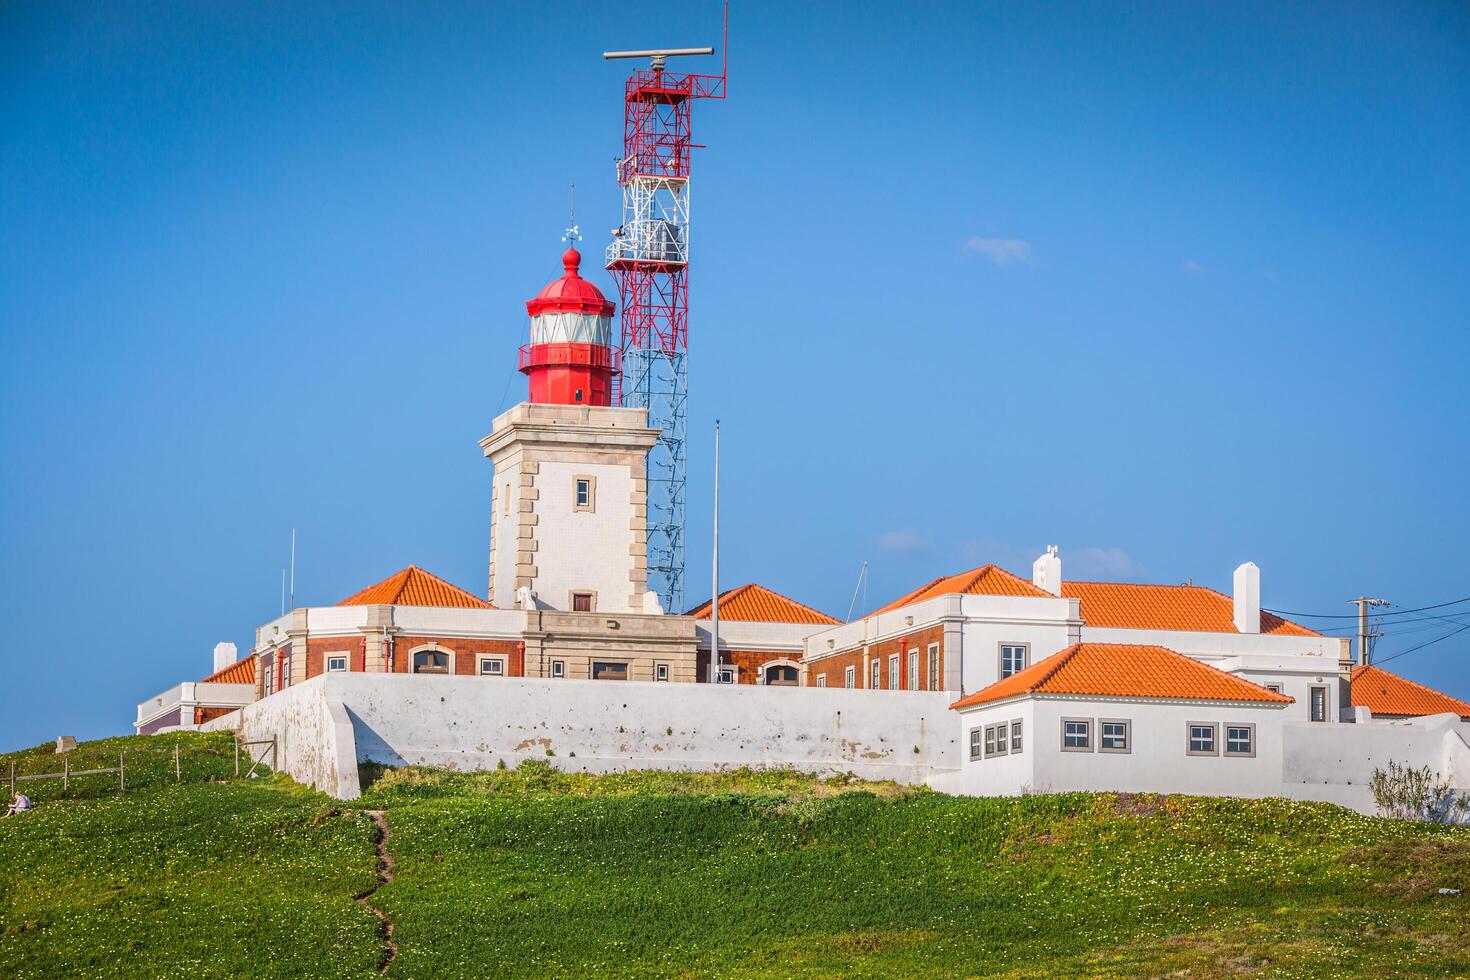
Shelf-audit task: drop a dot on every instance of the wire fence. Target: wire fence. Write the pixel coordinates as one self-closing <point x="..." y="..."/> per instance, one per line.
<point x="113" y="765"/>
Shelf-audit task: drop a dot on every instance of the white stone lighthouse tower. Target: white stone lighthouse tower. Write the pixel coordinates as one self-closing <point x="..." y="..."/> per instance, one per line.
<point x="569" y="527"/>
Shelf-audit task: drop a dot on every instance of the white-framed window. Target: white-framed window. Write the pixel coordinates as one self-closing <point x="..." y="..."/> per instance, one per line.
<point x="877" y="674"/>
<point x="1016" y="736"/>
<point x="1240" y="740"/>
<point x="727" y="675"/>
<point x="492" y="666"/>
<point x="1203" y="738"/>
<point x="975" y="735"/>
<point x="1076" y="734"/>
<point x="893" y="672"/>
<point x="268" y="677"/>
<point x="934" y="666"/>
<point x="913" y="670"/>
<point x="821" y="680"/>
<point x="336" y="663"/>
<point x="1318" y="703"/>
<point x="849" y="677"/>
<point x="584" y="494"/>
<point x="558" y="668"/>
<point x="997" y="739"/>
<point x="660" y="672"/>
<point x="1114" y="735"/>
<point x="1013" y="657"/>
<point x="1274" y="687"/>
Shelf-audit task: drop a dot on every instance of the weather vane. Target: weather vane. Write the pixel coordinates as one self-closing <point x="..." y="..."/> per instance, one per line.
<point x="573" y="233"/>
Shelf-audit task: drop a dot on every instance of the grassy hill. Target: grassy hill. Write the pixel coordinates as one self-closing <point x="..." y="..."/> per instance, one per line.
<point x="530" y="872"/>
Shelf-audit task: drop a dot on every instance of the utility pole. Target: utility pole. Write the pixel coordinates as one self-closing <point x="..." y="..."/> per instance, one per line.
<point x="714" y="621"/>
<point x="1364" y="634"/>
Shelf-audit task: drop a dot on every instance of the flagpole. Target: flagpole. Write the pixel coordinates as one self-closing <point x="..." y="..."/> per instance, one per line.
<point x="714" y="642"/>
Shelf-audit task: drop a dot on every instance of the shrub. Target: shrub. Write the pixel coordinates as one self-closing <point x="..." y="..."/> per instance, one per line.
<point x="1406" y="793"/>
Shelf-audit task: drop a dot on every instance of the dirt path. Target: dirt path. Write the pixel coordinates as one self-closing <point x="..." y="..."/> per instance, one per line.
<point x="385" y="875"/>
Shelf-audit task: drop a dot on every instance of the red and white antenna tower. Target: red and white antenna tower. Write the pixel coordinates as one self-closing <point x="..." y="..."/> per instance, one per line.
<point x="649" y="261"/>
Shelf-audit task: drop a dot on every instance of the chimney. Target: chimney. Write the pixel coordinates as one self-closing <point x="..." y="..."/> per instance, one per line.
<point x="1248" y="598"/>
<point x="224" y="655"/>
<point x="1046" y="571"/>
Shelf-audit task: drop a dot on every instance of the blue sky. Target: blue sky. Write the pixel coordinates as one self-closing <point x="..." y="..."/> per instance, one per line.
<point x="1172" y="286"/>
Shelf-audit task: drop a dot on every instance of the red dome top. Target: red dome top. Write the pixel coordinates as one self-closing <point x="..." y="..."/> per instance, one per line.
<point x="571" y="293"/>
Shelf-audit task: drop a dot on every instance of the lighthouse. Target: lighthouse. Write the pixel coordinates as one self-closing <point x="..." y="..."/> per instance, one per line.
<point x="570" y="359"/>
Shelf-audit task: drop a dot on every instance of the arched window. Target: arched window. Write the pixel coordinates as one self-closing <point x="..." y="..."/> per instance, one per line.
<point x="782" y="675"/>
<point x="431" y="662"/>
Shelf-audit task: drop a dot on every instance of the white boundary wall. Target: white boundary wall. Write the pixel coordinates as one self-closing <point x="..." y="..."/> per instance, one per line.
<point x="595" y="726"/>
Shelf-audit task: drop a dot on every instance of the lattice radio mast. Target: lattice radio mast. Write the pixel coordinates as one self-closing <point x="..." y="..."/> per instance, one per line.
<point x="649" y="261"/>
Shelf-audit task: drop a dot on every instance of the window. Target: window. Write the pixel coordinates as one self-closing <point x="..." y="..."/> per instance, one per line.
<point x="269" y="678"/>
<point x="997" y="739"/>
<point x="934" y="666"/>
<point x="581" y="602"/>
<point x="584" y="494"/>
<point x="849" y="677"/>
<point x="877" y="674"/>
<point x="1114" y="735"/>
<point x="1076" y="734"/>
<point x="1016" y="737"/>
<point x="1274" y="687"/>
<point x="727" y="675"/>
<point x="558" y="668"/>
<point x="336" y="663"/>
<point x="1202" y="738"/>
<point x="609" y="670"/>
<point x="1240" y="740"/>
<point x="1319" y="704"/>
<point x="893" y="672"/>
<point x="660" y="672"/>
<point x="913" y="670"/>
<point x="1012" y="658"/>
<point x="785" y="675"/>
<point x="821" y="680"/>
<point x="975" y="743"/>
<point x="431" y="662"/>
<point x="492" y="666"/>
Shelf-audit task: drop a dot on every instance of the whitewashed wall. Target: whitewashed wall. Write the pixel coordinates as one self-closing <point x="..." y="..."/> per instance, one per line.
<point x="600" y="726"/>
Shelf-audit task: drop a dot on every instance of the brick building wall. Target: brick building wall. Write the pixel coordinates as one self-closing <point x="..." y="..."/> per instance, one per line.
<point x="834" y="667"/>
<point x="318" y="648"/>
<point x="466" y="661"/>
<point x="749" y="663"/>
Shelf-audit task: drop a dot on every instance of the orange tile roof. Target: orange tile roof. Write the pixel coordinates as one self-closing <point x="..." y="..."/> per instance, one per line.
<point x="1123" y="605"/>
<point x="985" y="580"/>
<point x="415" y="587"/>
<point x="239" y="672"/>
<point x="757" y="604"/>
<point x="1389" y="694"/>
<point x="1124" y="670"/>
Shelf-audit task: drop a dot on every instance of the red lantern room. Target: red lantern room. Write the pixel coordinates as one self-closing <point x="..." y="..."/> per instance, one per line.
<point x="570" y="359"/>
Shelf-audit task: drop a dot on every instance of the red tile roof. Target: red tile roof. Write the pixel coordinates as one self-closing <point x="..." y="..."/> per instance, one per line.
<point x="1124" y="670"/>
<point x="239" y="672"/>
<point x="1123" y="605"/>
<point x="757" y="604"/>
<point x="985" y="580"/>
<point x="1389" y="694"/>
<point x="415" y="587"/>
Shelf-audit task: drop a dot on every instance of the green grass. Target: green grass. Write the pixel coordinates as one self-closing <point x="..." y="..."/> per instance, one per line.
<point x="531" y="872"/>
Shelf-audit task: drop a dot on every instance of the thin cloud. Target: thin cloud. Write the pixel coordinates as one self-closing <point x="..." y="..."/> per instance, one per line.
<point x="1002" y="251"/>
<point x="906" y="543"/>
<point x="1193" y="267"/>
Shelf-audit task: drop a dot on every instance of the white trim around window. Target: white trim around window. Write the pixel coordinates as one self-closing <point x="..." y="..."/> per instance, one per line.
<point x="1202" y="738"/>
<point x="975" y="736"/>
<point x="1012" y="658"/>
<point x="1076" y="734"/>
<point x="1115" y="735"/>
<point x="1240" y="740"/>
<point x="558" y="668"/>
<point x="849" y="677"/>
<point x="488" y="666"/>
<point x="336" y="663"/>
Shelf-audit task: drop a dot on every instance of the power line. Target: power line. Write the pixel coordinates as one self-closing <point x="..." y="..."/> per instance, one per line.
<point x="1421" y="646"/>
<point x="1400" y="612"/>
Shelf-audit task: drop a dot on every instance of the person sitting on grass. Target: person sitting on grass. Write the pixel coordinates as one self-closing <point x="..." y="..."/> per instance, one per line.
<point x="20" y="804"/>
